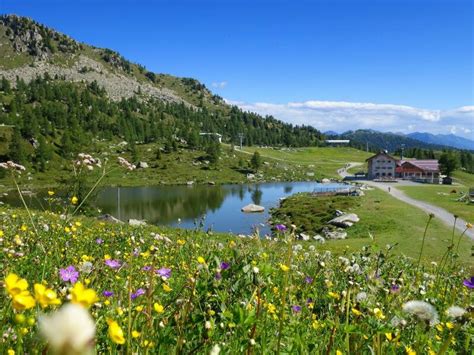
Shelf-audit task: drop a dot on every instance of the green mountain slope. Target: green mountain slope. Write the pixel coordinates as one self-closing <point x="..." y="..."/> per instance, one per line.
<point x="65" y="94"/>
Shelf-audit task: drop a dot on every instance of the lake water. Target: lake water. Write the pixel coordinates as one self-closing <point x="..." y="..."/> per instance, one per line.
<point x="215" y="207"/>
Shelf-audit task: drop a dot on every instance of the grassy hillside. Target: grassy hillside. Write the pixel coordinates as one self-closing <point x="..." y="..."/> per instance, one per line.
<point x="324" y="160"/>
<point x="443" y="196"/>
<point x="386" y="219"/>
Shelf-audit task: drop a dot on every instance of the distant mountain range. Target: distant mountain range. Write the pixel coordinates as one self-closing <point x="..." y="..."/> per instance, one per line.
<point x="449" y="140"/>
<point x="393" y="141"/>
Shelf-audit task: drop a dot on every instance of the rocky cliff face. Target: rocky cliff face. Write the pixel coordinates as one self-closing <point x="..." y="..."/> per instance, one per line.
<point x="32" y="49"/>
<point x="28" y="36"/>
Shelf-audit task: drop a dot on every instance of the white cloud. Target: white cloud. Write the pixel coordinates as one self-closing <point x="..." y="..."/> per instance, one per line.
<point x="219" y="84"/>
<point x="342" y="116"/>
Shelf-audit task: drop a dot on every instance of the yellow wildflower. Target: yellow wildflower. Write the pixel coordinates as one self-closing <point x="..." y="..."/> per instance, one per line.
<point x="389" y="336"/>
<point x="23" y="300"/>
<point x="74" y="200"/>
<point x="45" y="296"/>
<point x="158" y="308"/>
<point x="115" y="332"/>
<point x="284" y="268"/>
<point x="356" y="312"/>
<point x="181" y="242"/>
<point x="271" y="308"/>
<point x="449" y="325"/>
<point x="333" y="295"/>
<point x="11" y="352"/>
<point x="166" y="288"/>
<point x="15" y="285"/>
<point x="338" y="352"/>
<point x="201" y="260"/>
<point x="378" y="313"/>
<point x="83" y="296"/>
<point x="410" y="351"/>
<point x="51" y="193"/>
<point x="135" y="334"/>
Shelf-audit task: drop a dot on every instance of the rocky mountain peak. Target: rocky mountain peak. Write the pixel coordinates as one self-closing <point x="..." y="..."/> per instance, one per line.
<point x="29" y="36"/>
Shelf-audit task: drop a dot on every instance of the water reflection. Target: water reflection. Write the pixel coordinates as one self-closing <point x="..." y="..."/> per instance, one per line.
<point x="218" y="207"/>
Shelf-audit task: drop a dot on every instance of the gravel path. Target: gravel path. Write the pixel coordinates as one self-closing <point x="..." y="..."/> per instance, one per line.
<point x="440" y="213"/>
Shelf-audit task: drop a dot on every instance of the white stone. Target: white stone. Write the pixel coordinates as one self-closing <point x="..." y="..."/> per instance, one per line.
<point x="251" y="208"/>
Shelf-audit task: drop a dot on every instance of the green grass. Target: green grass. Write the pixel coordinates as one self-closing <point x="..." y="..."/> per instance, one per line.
<point x="443" y="196"/>
<point x="464" y="178"/>
<point x="326" y="160"/>
<point x="387" y="219"/>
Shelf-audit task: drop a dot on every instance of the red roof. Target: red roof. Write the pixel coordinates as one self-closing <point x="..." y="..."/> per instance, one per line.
<point x="426" y="165"/>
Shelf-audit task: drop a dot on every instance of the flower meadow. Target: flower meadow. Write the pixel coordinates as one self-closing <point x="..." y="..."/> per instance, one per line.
<point x="74" y="285"/>
<point x="80" y="285"/>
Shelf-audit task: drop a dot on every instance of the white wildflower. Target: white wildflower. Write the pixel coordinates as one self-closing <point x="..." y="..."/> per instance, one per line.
<point x="398" y="322"/>
<point x="422" y="310"/>
<point x="208" y="325"/>
<point x="256" y="270"/>
<point x="216" y="349"/>
<point x="86" y="267"/>
<point x="70" y="330"/>
<point x="361" y="296"/>
<point x="455" y="312"/>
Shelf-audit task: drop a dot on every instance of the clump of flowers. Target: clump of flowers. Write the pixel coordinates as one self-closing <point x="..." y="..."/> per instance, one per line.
<point x="86" y="160"/>
<point x="126" y="164"/>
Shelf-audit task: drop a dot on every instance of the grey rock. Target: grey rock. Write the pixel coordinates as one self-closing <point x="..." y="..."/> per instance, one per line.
<point x="251" y="208"/>
<point x="345" y="220"/>
<point x="109" y="218"/>
<point x="336" y="235"/>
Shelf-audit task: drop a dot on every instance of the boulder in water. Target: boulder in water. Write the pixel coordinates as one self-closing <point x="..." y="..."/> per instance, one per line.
<point x="251" y="208"/>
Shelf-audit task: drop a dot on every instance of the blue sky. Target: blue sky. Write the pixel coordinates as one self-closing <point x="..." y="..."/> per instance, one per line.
<point x="402" y="65"/>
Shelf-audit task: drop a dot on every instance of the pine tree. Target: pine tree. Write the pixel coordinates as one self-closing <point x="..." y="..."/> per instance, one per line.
<point x="16" y="150"/>
<point x="256" y="161"/>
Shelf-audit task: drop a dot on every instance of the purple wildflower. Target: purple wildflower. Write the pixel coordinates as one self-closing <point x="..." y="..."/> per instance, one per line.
<point x="469" y="283"/>
<point x="107" y="293"/>
<point x="139" y="292"/>
<point x="308" y="279"/>
<point x="69" y="274"/>
<point x="146" y="268"/>
<point x="296" y="308"/>
<point x="394" y="288"/>
<point x="114" y="264"/>
<point x="218" y="276"/>
<point x="164" y="272"/>
<point x="225" y="266"/>
<point x="281" y="227"/>
<point x="99" y="241"/>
